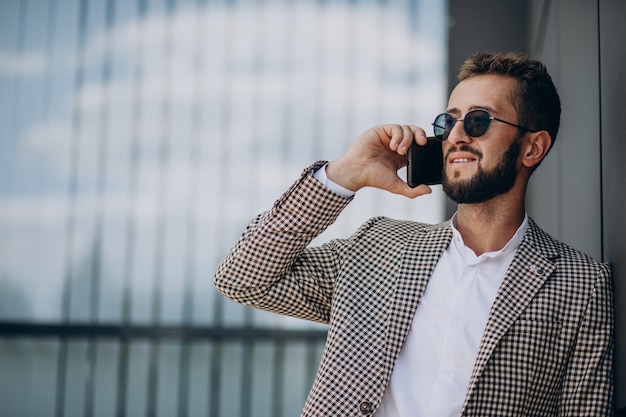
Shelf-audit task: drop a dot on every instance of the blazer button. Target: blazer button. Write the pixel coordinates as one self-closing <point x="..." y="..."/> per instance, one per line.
<point x="366" y="407"/>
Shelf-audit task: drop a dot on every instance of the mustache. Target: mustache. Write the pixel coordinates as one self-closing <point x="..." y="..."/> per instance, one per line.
<point x="464" y="148"/>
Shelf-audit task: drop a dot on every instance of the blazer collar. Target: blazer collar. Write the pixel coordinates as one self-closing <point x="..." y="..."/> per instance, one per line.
<point x="528" y="271"/>
<point x="421" y="254"/>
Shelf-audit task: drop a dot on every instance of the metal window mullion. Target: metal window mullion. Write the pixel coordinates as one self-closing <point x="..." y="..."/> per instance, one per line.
<point x="312" y="361"/>
<point x="7" y="178"/>
<point x="286" y="142"/>
<point x="350" y="68"/>
<point x="318" y="92"/>
<point x="62" y="359"/>
<point x="223" y="138"/>
<point x="46" y="107"/>
<point x="101" y="173"/>
<point x="160" y="235"/>
<point x="131" y="226"/>
<point x="248" y="347"/>
<point x="278" y="379"/>
<point x="192" y="204"/>
<point x="46" y="111"/>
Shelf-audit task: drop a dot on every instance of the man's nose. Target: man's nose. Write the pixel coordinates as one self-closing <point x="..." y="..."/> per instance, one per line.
<point x="458" y="134"/>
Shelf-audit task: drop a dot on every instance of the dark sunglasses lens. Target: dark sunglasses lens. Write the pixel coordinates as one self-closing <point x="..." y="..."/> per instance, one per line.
<point x="442" y="126"/>
<point x="476" y="123"/>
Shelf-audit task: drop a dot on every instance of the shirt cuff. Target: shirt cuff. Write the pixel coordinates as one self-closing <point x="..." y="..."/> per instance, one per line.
<point x="320" y="175"/>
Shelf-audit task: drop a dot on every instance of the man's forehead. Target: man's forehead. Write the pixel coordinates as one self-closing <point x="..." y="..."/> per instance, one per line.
<point x="492" y="92"/>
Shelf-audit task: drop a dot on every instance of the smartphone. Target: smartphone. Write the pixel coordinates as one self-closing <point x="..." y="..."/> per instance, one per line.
<point x="424" y="163"/>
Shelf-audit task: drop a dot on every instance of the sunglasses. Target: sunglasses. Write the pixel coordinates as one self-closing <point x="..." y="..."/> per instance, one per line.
<point x="475" y="123"/>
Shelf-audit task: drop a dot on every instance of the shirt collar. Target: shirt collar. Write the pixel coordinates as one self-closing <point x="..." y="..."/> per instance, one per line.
<point x="511" y="245"/>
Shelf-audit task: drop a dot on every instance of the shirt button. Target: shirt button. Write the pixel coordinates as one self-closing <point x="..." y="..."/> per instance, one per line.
<point x="540" y="271"/>
<point x="366" y="407"/>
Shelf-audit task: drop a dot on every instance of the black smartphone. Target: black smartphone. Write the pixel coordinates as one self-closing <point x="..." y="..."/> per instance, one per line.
<point x="424" y="163"/>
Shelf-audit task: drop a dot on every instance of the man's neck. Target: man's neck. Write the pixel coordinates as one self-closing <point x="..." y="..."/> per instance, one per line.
<point x="487" y="227"/>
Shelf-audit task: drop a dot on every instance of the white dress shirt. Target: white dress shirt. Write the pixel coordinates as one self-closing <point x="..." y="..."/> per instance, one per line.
<point x="431" y="376"/>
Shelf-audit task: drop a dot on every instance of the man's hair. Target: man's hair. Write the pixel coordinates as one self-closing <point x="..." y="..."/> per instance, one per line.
<point x="535" y="99"/>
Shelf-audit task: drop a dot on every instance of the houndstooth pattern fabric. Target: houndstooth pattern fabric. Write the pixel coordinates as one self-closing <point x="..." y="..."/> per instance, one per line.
<point x="546" y="350"/>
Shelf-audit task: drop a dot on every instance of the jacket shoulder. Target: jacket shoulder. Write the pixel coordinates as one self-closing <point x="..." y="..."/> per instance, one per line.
<point x="392" y="226"/>
<point x="562" y="253"/>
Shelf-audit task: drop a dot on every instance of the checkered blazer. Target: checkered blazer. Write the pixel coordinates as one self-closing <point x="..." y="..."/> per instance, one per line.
<point x="546" y="350"/>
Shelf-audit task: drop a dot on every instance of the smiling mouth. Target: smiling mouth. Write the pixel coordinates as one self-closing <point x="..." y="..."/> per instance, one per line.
<point x="462" y="160"/>
<point x="462" y="155"/>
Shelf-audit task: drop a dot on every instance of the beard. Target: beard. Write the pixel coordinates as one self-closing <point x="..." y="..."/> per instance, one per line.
<point x="484" y="185"/>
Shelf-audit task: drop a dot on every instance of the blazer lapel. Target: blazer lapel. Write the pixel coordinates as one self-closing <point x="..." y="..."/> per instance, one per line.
<point x="419" y="259"/>
<point x="528" y="271"/>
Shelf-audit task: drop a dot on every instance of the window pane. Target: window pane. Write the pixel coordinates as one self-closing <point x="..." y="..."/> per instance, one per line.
<point x="137" y="139"/>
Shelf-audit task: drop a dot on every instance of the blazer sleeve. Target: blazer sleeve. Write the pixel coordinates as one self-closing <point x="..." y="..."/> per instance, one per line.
<point x="588" y="385"/>
<point x="271" y="267"/>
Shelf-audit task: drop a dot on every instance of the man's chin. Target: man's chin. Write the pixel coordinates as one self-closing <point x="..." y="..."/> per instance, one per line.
<point x="458" y="183"/>
<point x="465" y="172"/>
<point x="477" y="190"/>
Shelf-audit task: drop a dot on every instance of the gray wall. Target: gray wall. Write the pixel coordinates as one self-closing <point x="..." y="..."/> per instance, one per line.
<point x="613" y="144"/>
<point x="578" y="193"/>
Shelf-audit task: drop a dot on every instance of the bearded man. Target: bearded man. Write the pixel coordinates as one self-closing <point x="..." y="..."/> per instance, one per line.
<point x="483" y="315"/>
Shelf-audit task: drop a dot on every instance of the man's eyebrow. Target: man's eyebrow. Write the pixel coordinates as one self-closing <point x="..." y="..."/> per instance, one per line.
<point x="455" y="111"/>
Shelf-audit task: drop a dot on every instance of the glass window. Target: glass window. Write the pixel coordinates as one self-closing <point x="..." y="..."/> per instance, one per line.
<point x="137" y="139"/>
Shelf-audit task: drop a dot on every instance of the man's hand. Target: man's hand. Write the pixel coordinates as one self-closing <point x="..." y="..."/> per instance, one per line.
<point x="374" y="158"/>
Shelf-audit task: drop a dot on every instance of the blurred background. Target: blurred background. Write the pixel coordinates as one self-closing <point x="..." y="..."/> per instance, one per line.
<point x="139" y="137"/>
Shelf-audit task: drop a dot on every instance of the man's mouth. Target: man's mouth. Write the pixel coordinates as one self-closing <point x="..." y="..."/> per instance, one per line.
<point x="461" y="160"/>
<point x="462" y="155"/>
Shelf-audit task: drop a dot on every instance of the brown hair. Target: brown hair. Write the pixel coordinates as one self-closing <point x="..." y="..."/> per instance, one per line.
<point x="535" y="99"/>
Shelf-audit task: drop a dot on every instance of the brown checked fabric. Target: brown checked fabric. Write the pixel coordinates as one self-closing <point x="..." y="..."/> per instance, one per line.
<point x="547" y="347"/>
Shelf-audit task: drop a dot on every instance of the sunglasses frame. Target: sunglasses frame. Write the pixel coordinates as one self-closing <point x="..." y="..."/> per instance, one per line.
<point x="466" y="127"/>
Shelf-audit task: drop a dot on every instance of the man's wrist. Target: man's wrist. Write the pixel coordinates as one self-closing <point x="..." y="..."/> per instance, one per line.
<point x="341" y="191"/>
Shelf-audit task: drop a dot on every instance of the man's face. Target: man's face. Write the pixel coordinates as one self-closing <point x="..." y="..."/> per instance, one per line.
<point x="479" y="169"/>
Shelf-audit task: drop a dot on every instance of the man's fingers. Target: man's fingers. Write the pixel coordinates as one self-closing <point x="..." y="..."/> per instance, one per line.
<point x="402" y="136"/>
<point x="395" y="134"/>
<point x="408" y="136"/>
<point x="419" y="134"/>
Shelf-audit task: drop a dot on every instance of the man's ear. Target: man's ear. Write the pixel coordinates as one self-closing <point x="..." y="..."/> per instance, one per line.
<point x="537" y="146"/>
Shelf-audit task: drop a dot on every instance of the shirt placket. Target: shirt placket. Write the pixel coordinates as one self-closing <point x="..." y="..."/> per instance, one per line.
<point x="452" y="341"/>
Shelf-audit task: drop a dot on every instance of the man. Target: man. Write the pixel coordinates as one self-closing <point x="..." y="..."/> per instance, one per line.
<point x="483" y="315"/>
